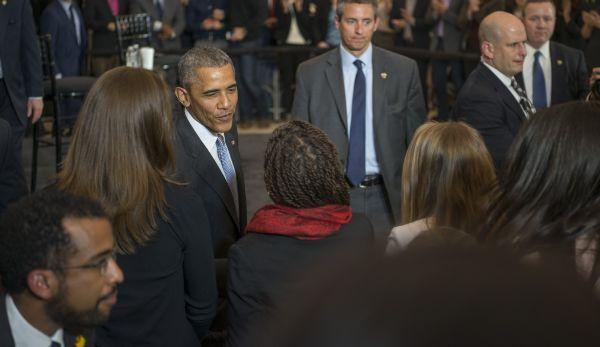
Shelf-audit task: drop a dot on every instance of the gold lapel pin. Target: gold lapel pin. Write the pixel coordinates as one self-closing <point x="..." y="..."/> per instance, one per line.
<point x="233" y="142"/>
<point x="559" y="62"/>
<point x="4" y="2"/>
<point x="383" y="75"/>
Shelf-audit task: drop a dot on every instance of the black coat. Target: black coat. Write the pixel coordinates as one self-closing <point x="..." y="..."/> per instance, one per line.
<point x="264" y="269"/>
<point x="12" y="182"/>
<point x="97" y="16"/>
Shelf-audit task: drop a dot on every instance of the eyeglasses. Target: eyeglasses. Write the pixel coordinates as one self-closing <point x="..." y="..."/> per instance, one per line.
<point x="101" y="264"/>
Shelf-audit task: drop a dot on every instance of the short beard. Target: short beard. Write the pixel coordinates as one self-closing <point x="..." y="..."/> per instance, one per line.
<point x="73" y="322"/>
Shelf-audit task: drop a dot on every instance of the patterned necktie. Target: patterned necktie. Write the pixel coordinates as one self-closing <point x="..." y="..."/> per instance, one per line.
<point x="226" y="163"/>
<point x="539" y="84"/>
<point x="523" y="100"/>
<point x="355" y="169"/>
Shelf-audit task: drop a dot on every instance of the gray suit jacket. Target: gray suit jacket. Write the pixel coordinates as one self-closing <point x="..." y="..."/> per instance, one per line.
<point x="398" y="109"/>
<point x="173" y="15"/>
<point x="453" y="33"/>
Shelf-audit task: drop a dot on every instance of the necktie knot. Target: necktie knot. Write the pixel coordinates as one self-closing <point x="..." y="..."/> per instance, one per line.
<point x="537" y="55"/>
<point x="358" y="64"/>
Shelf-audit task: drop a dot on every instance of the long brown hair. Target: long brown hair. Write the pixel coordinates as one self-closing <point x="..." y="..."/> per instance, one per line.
<point x="122" y="152"/>
<point x="447" y="175"/>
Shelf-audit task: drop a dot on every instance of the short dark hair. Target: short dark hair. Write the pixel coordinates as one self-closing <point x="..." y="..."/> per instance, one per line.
<point x="339" y="9"/>
<point x="32" y="234"/>
<point x="302" y="168"/>
<point x="198" y="57"/>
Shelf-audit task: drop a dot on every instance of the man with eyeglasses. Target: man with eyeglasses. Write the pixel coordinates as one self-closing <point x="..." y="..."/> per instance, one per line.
<point x="58" y="270"/>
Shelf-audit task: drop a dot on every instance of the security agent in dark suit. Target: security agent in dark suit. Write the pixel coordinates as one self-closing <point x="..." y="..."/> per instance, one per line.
<point x="58" y="269"/>
<point x="12" y="182"/>
<point x="552" y="72"/>
<point x="63" y="20"/>
<point x="369" y="102"/>
<point x="491" y="100"/>
<point x="21" y="88"/>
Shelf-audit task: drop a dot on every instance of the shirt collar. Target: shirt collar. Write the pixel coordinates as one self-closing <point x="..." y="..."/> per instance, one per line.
<point x="348" y="59"/>
<point x="544" y="49"/>
<point x="207" y="137"/>
<point x="502" y="77"/>
<point x="65" y="4"/>
<point x="24" y="333"/>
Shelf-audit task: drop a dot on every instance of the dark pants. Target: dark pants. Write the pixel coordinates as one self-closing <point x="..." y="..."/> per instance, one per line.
<point x="288" y="63"/>
<point x="438" y="72"/>
<point x="373" y="202"/>
<point x="253" y="74"/>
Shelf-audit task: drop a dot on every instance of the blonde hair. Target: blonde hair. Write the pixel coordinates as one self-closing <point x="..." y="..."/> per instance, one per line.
<point x="447" y="176"/>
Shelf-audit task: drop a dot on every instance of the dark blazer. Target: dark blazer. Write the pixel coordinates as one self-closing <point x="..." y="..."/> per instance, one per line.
<point x="68" y="54"/>
<point x="169" y="296"/>
<point x="569" y="74"/>
<point x="420" y="32"/>
<point x="488" y="106"/>
<point x="453" y="32"/>
<point x="198" y="167"/>
<point x="6" y="338"/>
<point x="20" y="55"/>
<point x="97" y="16"/>
<point x="306" y="23"/>
<point x="265" y="269"/>
<point x="12" y="182"/>
<point x="398" y="109"/>
<point x="197" y="11"/>
<point x="173" y="15"/>
<point x="250" y="14"/>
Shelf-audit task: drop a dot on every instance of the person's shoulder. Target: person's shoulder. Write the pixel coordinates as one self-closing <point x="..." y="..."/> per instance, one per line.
<point x="568" y="52"/>
<point x="319" y="60"/>
<point x="393" y="57"/>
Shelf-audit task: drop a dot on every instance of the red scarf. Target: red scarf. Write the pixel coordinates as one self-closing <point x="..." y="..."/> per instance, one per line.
<point x="301" y="223"/>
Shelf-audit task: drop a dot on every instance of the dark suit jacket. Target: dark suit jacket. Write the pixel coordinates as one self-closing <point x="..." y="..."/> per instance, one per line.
<point x="488" y="106"/>
<point x="68" y="54"/>
<point x="20" y="55"/>
<point x="12" y="182"/>
<point x="97" y="16"/>
<point x="569" y="74"/>
<point x="420" y="32"/>
<point x="173" y="15"/>
<point x="305" y="20"/>
<point x="250" y="14"/>
<point x="6" y="338"/>
<point x="453" y="32"/>
<point x="266" y="269"/>
<point x="398" y="109"/>
<point x="198" y="167"/>
<point x="197" y="11"/>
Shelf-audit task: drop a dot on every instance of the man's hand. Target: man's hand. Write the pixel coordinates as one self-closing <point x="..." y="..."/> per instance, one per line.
<point x="166" y="32"/>
<point x="111" y="26"/>
<point x="208" y="23"/>
<point x="398" y="23"/>
<point x="238" y="34"/>
<point x="218" y="14"/>
<point x="35" y="106"/>
<point x="595" y="75"/>
<point x="407" y="16"/>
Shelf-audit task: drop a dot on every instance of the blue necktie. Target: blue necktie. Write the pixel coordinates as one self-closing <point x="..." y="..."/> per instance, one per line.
<point x="356" y="151"/>
<point x="159" y="9"/>
<point x="539" y="84"/>
<point x="225" y="159"/>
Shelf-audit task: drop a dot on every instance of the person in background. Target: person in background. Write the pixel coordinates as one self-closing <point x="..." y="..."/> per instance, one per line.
<point x="310" y="220"/>
<point x="58" y="270"/>
<point x="550" y="192"/>
<point x="12" y="182"/>
<point x="552" y="72"/>
<point x="162" y="231"/>
<point x="100" y="16"/>
<point x="168" y="21"/>
<point x="590" y="32"/>
<point x="205" y="19"/>
<point x="447" y="180"/>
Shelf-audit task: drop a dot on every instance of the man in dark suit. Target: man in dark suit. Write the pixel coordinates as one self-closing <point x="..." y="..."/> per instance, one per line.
<point x="21" y="88"/>
<point x="369" y="102"/>
<point x="491" y="100"/>
<point x="168" y="20"/>
<point x="552" y="73"/>
<point x="63" y="20"/>
<point x="12" y="182"/>
<point x="100" y="18"/>
<point x="58" y="269"/>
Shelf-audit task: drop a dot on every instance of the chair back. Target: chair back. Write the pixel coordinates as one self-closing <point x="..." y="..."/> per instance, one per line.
<point x="132" y="29"/>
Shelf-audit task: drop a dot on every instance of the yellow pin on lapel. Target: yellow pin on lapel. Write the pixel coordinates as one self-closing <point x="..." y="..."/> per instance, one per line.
<point x="383" y="75"/>
<point x="559" y="62"/>
<point x="80" y="341"/>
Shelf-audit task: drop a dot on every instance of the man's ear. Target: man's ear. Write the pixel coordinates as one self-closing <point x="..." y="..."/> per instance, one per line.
<point x="337" y="22"/>
<point x="183" y="96"/>
<point x="487" y="50"/>
<point x="43" y="283"/>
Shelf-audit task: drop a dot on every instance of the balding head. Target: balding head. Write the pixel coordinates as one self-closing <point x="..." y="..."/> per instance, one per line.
<point x="502" y="38"/>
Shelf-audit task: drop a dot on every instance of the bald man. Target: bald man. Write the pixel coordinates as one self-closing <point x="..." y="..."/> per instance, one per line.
<point x="491" y="101"/>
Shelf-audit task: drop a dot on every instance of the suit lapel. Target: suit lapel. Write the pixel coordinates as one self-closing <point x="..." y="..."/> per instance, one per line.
<point x="4" y="20"/>
<point x="505" y="95"/>
<point x="65" y="19"/>
<point x="335" y="79"/>
<point x="379" y="85"/>
<point x="204" y="165"/>
<point x="6" y="338"/>
<point x="557" y="69"/>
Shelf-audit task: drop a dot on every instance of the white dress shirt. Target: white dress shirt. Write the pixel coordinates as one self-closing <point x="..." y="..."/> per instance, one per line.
<point x="24" y="334"/>
<point x="209" y="139"/>
<point x="349" y="72"/>
<point x="546" y="65"/>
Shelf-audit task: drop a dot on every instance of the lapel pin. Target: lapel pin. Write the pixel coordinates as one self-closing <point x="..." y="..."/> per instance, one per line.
<point x="4" y="2"/>
<point x="383" y="75"/>
<point x="232" y="142"/>
<point x="559" y="62"/>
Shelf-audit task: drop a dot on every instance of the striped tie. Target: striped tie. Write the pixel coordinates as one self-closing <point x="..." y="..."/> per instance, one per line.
<point x="523" y="100"/>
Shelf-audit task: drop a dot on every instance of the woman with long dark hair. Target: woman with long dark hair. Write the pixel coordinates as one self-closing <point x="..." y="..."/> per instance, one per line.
<point x="122" y="155"/>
